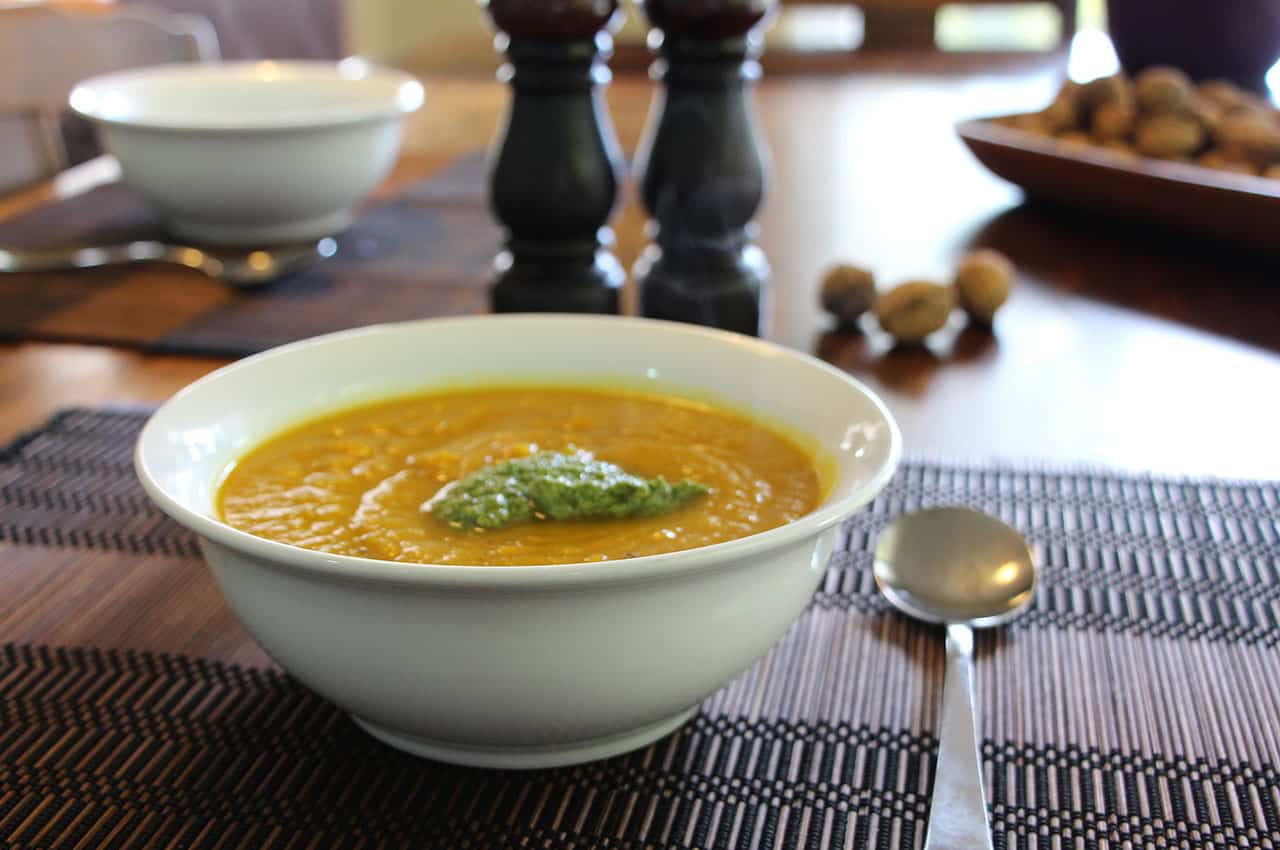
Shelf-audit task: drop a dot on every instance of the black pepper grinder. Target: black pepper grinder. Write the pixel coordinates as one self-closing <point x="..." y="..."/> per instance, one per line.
<point x="703" y="168"/>
<point x="557" y="165"/>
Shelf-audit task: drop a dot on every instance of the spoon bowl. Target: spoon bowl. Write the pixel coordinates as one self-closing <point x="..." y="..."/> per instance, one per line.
<point x="955" y="565"/>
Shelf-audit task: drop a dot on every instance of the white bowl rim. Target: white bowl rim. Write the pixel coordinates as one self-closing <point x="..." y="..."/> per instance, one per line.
<point x="461" y="576"/>
<point x="401" y="94"/>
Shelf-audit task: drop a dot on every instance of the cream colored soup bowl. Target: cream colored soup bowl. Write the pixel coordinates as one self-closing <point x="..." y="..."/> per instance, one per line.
<point x="252" y="153"/>
<point x="517" y="666"/>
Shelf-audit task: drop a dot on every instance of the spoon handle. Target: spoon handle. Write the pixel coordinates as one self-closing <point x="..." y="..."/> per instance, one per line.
<point x="958" y="814"/>
<point x="85" y="257"/>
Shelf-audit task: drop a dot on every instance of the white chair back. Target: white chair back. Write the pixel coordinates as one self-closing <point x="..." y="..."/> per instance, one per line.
<point x="45" y="51"/>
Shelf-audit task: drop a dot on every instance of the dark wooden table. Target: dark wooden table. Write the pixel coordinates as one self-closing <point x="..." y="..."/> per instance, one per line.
<point x="1116" y="348"/>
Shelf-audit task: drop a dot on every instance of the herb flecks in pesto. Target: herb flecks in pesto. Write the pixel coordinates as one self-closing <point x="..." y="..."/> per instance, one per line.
<point x="555" y="486"/>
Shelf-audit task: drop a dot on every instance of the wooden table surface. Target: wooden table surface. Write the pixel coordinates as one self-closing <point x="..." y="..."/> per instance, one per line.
<point x="1116" y="348"/>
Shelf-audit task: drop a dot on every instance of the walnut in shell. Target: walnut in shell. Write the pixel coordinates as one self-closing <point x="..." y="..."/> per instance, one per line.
<point x="1075" y="137"/>
<point x="1113" y="120"/>
<point x="1249" y="134"/>
<point x="1031" y="123"/>
<point x="1103" y="90"/>
<point x="1168" y="135"/>
<point x="1119" y="148"/>
<point x="1219" y="161"/>
<point x="982" y="284"/>
<point x="913" y="310"/>
<point x="1208" y="113"/>
<point x="1163" y="89"/>
<point x="848" y="292"/>
<point x="1223" y="93"/>
<point x="1064" y="113"/>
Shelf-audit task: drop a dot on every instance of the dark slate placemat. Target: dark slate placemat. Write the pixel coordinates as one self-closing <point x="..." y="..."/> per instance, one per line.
<point x="426" y="251"/>
<point x="1135" y="705"/>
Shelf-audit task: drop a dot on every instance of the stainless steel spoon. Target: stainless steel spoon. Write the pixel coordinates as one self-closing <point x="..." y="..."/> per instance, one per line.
<point x="238" y="269"/>
<point x="967" y="570"/>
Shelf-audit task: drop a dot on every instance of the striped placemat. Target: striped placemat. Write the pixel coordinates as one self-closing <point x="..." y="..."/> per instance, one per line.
<point x="1135" y="705"/>
<point x="426" y="251"/>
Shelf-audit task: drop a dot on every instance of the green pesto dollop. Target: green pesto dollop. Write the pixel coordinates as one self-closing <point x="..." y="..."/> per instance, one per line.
<point x="555" y="486"/>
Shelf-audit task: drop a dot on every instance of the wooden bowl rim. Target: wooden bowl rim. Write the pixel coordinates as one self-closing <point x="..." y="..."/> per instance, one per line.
<point x="986" y="131"/>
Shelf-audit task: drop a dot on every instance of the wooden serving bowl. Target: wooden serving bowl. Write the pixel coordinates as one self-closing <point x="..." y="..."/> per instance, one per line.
<point x="1240" y="209"/>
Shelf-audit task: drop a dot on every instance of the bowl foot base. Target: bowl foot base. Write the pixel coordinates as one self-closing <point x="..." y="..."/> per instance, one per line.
<point x="202" y="232"/>
<point x="528" y="758"/>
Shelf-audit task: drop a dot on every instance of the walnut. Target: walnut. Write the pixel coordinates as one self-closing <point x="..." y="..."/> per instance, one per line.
<point x="1163" y="89"/>
<point x="1219" y="160"/>
<point x="913" y="310"/>
<point x="1104" y="90"/>
<point x="982" y="283"/>
<point x="848" y="292"/>
<point x="1113" y="120"/>
<point x="1223" y="93"/>
<point x="1249" y="134"/>
<point x="1064" y="112"/>
<point x="1119" y="148"/>
<point x="1208" y="113"/>
<point x="1169" y="136"/>
<point x="1075" y="137"/>
<point x="1030" y="123"/>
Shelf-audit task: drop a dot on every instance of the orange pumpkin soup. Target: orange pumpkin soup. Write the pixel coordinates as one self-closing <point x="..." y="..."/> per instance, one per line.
<point x="361" y="482"/>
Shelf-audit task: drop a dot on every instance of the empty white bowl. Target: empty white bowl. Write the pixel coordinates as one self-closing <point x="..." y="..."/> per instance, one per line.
<point x="516" y="666"/>
<point x="252" y="153"/>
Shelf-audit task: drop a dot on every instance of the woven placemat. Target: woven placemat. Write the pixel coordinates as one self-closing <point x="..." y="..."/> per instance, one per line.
<point x="1135" y="705"/>
<point x="426" y="251"/>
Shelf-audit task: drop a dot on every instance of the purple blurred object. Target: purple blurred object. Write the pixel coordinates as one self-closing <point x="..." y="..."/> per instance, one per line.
<point x="1238" y="40"/>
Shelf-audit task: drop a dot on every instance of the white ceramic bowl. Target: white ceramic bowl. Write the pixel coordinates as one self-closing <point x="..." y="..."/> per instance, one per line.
<point x="252" y="152"/>
<point x="516" y="666"/>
